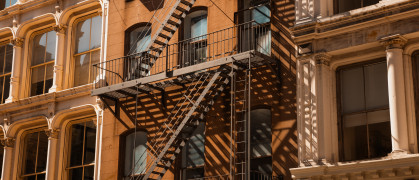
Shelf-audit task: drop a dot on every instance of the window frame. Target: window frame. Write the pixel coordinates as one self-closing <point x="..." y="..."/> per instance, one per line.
<point x="73" y="50"/>
<point x="30" y="58"/>
<point x="3" y="76"/>
<point x="339" y="107"/>
<point x="336" y="7"/>
<point x="40" y="129"/>
<point x="122" y="149"/>
<point x="415" y="78"/>
<point x="68" y="138"/>
<point x="184" y="170"/>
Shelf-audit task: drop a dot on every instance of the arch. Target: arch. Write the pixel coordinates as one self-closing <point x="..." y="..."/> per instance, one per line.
<point x="43" y="20"/>
<point x="127" y="41"/>
<point x="74" y="112"/>
<point x="73" y="12"/>
<point x="6" y="31"/>
<point x="25" y="123"/>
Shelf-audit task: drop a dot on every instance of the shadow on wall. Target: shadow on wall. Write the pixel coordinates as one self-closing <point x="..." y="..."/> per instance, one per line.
<point x="152" y="5"/>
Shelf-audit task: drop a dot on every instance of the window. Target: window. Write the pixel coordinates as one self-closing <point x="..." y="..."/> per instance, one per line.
<point x="260" y="142"/>
<point x="87" y="50"/>
<point x="415" y="64"/>
<point x="137" y="39"/>
<point x="347" y="5"/>
<point x="82" y="151"/>
<point x="6" y="3"/>
<point x="193" y="156"/>
<point x="6" y="59"/>
<point x="134" y="153"/>
<point x="364" y="112"/>
<point x="1" y="156"/>
<point x="35" y="155"/>
<point x="194" y="50"/>
<point x="42" y="65"/>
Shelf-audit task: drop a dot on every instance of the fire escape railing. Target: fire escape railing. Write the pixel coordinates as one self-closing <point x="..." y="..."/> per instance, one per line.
<point x="223" y="43"/>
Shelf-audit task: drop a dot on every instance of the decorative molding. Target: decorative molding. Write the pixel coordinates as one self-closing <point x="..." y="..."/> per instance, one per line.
<point x="17" y="42"/>
<point x="58" y="68"/>
<point x="52" y="133"/>
<point x="60" y="29"/>
<point x="394" y="41"/>
<point x="322" y="58"/>
<point x="8" y="142"/>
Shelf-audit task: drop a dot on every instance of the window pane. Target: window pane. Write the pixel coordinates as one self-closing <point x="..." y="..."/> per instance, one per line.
<point x="376" y="89"/>
<point x="2" y="59"/>
<point x="41" y="177"/>
<point x="88" y="173"/>
<point x="261" y="133"/>
<point x="1" y="158"/>
<point x="37" y="85"/>
<point x="261" y="14"/>
<point x="77" y="135"/>
<point x="198" y="26"/>
<point x="9" y="58"/>
<point x="355" y="145"/>
<point x="95" y="59"/>
<point x="42" y="153"/>
<point x="30" y="178"/>
<point x="139" y="40"/>
<point x="1" y="88"/>
<point x="194" y="173"/>
<point x="50" y="50"/>
<point x="96" y="32"/>
<point x="380" y="139"/>
<point x="139" y="150"/>
<point x="6" y="88"/>
<point x="49" y="77"/>
<point x="83" y="36"/>
<point x="345" y="5"/>
<point x="352" y="89"/>
<point x="38" y="50"/>
<point x="264" y="42"/>
<point x="76" y="174"/>
<point x="90" y="143"/>
<point x="31" y="141"/>
<point x="261" y="165"/>
<point x="195" y="147"/>
<point x="81" y="72"/>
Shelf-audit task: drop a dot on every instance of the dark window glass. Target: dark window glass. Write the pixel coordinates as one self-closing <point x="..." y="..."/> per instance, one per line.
<point x="194" y="51"/>
<point x="6" y="59"/>
<point x="193" y="154"/>
<point x="35" y="157"/>
<point x="82" y="150"/>
<point x="364" y="113"/>
<point x="260" y="142"/>
<point x="415" y="64"/>
<point x="135" y="154"/>
<point x="347" y="5"/>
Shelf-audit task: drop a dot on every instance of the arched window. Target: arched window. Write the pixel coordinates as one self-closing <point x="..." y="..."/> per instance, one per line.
<point x="193" y="154"/>
<point x="35" y="155"/>
<point x="137" y="38"/>
<point x="261" y="140"/>
<point x="87" y="49"/>
<point x="42" y="64"/>
<point x="82" y="146"/>
<point x="194" y="48"/>
<point x="6" y="60"/>
<point x="415" y="70"/>
<point x="133" y="154"/>
<point x="364" y="117"/>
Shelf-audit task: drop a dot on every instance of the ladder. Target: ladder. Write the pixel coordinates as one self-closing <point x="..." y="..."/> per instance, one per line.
<point x="241" y="91"/>
<point x="189" y="111"/>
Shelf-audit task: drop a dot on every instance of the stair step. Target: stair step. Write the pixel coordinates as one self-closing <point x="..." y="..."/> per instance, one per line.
<point x="186" y="2"/>
<point x="169" y="29"/>
<point x="158" y="50"/>
<point x="177" y="16"/>
<point x="173" y="23"/>
<point x="181" y="9"/>
<point x="158" y="173"/>
<point x="164" y="36"/>
<point x="166" y="159"/>
<point x="159" y="42"/>
<point x="162" y="166"/>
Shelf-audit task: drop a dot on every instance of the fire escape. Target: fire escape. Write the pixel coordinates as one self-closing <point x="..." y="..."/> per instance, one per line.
<point x="203" y="67"/>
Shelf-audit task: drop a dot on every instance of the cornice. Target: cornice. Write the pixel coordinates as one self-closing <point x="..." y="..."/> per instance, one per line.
<point x="15" y="9"/>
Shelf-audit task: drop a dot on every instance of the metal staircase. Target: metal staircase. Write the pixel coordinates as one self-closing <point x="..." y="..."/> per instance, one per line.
<point x="199" y="96"/>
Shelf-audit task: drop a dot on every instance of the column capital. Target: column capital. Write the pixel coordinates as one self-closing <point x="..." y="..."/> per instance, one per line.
<point x="8" y="142"/>
<point x="17" y="42"/>
<point x="394" y="41"/>
<point x="322" y="58"/>
<point x="60" y="29"/>
<point x="52" y="133"/>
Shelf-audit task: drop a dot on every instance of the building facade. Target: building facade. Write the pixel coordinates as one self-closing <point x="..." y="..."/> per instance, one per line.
<point x="357" y="89"/>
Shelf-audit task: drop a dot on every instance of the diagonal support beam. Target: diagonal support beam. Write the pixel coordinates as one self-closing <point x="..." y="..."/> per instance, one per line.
<point x="113" y="112"/>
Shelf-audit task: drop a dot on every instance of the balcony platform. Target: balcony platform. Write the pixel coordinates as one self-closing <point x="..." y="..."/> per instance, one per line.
<point x="176" y="77"/>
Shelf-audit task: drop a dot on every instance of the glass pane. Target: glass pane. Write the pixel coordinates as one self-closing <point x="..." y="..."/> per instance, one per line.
<point x="352" y="89"/>
<point x="380" y="139"/>
<point x="345" y="5"/>
<point x="95" y="59"/>
<point x="198" y="26"/>
<point x="81" y="72"/>
<point x="30" y="177"/>
<point x="262" y="166"/>
<point x="42" y="153"/>
<point x="38" y="50"/>
<point x="77" y="135"/>
<point x="2" y="59"/>
<point x="90" y="145"/>
<point x="261" y="133"/>
<point x="376" y="89"/>
<point x="139" y="39"/>
<point x="194" y="173"/>
<point x="12" y="2"/>
<point x="50" y="51"/>
<point x="88" y="173"/>
<point x="96" y="32"/>
<point x="139" y="151"/>
<point x="76" y="174"/>
<point x="9" y="58"/>
<point x="83" y="36"/>
<point x="1" y="88"/>
<point x="41" y="177"/>
<point x="31" y="141"/>
<point x="263" y="42"/>
<point x="1" y="157"/>
<point x="195" y="147"/>
<point x="6" y="88"/>
<point x="355" y="145"/>
<point x="370" y="2"/>
<point x="49" y="77"/>
<point x="261" y="14"/>
<point x="37" y="85"/>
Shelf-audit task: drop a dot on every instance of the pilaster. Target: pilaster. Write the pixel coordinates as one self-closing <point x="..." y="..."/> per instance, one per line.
<point x="14" y="79"/>
<point x="52" y="152"/>
<point x="59" y="58"/>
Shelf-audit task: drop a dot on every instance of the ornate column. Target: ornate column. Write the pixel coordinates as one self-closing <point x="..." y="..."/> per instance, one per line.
<point x="14" y="79"/>
<point x="52" y="153"/>
<point x="59" y="58"/>
<point x="313" y="109"/>
<point x="8" y="144"/>
<point x="396" y="92"/>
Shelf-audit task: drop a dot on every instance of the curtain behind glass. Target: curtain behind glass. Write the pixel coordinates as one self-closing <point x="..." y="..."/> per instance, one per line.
<point x="139" y="39"/>
<point x="135" y="155"/>
<point x="199" y="26"/>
